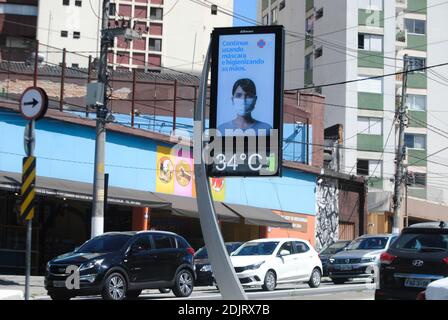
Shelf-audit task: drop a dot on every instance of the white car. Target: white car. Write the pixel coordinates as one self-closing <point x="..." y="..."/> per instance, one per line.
<point x="268" y="262"/>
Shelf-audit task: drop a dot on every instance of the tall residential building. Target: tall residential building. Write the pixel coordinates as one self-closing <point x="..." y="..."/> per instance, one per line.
<point x="18" y="23"/>
<point x="336" y="41"/>
<point x="175" y="34"/>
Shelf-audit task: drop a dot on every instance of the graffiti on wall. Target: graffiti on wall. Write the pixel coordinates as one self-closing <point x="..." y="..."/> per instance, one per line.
<point x="327" y="216"/>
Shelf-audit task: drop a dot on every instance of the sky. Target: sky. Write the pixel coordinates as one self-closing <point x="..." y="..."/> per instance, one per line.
<point x="247" y="8"/>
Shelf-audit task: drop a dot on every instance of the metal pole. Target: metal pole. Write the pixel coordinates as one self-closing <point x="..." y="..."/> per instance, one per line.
<point x="223" y="271"/>
<point x="36" y="58"/>
<point x="134" y="79"/>
<point x="61" y="98"/>
<point x="400" y="151"/>
<point x="175" y="106"/>
<point x="98" y="183"/>
<point x="29" y="228"/>
<point x="89" y="79"/>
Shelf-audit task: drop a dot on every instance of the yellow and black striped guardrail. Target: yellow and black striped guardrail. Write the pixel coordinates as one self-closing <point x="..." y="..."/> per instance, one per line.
<point x="28" y="188"/>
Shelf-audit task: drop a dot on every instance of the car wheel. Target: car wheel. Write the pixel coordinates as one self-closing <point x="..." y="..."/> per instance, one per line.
<point x="270" y="281"/>
<point x="165" y="290"/>
<point x="315" y="278"/>
<point x="60" y="297"/>
<point x="133" y="294"/>
<point x="339" y="280"/>
<point x="184" y="284"/>
<point x="115" y="287"/>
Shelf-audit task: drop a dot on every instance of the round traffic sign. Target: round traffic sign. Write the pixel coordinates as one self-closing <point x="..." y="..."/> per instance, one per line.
<point x="33" y="103"/>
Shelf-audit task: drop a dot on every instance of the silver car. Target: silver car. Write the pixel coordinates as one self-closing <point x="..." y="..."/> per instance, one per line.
<point x="359" y="258"/>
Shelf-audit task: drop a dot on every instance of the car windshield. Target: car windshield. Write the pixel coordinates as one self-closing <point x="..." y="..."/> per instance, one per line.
<point x="257" y="249"/>
<point x="104" y="244"/>
<point x="335" y="248"/>
<point x="422" y="242"/>
<point x="374" y="243"/>
<point x="202" y="253"/>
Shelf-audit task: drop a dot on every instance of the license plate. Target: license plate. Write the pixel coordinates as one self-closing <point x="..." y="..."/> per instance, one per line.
<point x="346" y="268"/>
<point x="416" y="283"/>
<point x="59" y="284"/>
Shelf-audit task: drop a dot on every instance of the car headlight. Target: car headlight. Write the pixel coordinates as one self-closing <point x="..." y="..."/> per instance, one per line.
<point x="91" y="264"/>
<point x="367" y="260"/>
<point x="254" y="266"/>
<point x="331" y="260"/>
<point x="206" y="268"/>
<point x="47" y="267"/>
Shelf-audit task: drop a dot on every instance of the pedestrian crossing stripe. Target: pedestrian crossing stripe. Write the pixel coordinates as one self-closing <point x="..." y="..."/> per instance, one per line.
<point x="28" y="188"/>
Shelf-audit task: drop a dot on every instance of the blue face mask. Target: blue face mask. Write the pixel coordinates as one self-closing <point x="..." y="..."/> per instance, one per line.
<point x="243" y="107"/>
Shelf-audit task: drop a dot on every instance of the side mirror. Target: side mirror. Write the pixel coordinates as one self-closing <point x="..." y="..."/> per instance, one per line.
<point x="284" y="253"/>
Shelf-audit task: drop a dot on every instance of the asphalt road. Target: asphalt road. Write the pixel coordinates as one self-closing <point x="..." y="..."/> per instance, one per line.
<point x="354" y="290"/>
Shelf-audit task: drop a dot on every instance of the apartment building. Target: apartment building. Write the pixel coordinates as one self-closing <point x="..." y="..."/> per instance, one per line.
<point x="175" y="34"/>
<point x="18" y="23"/>
<point x="336" y="41"/>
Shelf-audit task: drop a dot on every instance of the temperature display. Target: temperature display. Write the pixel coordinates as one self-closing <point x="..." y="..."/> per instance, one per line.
<point x="235" y="164"/>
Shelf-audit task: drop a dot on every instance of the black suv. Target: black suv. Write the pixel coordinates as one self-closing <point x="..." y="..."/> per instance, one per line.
<point x="120" y="265"/>
<point x="418" y="257"/>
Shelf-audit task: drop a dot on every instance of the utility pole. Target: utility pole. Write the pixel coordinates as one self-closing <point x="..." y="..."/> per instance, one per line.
<point x="107" y="37"/>
<point x="401" y="150"/>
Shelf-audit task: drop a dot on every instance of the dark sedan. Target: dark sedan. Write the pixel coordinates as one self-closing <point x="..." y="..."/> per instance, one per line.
<point x="204" y="273"/>
<point x="330" y="250"/>
<point x="417" y="258"/>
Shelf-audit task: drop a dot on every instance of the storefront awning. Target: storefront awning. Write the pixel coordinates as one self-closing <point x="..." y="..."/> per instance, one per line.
<point x="259" y="216"/>
<point x="188" y="207"/>
<point x="82" y="191"/>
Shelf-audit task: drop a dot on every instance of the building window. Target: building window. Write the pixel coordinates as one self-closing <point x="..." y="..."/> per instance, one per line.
<point x="112" y="9"/>
<point x="318" y="53"/>
<point x="309" y="62"/>
<point x="415" y="26"/>
<point x="309" y="25"/>
<point x="65" y="2"/>
<point x="371" y="168"/>
<point x="282" y="5"/>
<point x="416" y="102"/>
<point x="214" y="9"/>
<point x="78" y="3"/>
<point x="417" y="180"/>
<point x="416" y="63"/>
<point x="319" y="13"/>
<point x="274" y="15"/>
<point x="368" y="125"/>
<point x="375" y="5"/>
<point x="76" y="35"/>
<point x="64" y="34"/>
<point x="370" y="42"/>
<point x="155" y="44"/>
<point x="374" y="85"/>
<point x="415" y="141"/>
<point x="266" y="19"/>
<point x="156" y="14"/>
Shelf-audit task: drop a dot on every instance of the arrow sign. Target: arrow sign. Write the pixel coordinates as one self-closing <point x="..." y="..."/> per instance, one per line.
<point x="33" y="103"/>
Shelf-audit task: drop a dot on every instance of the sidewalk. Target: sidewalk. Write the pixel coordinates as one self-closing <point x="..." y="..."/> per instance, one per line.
<point x="18" y="283"/>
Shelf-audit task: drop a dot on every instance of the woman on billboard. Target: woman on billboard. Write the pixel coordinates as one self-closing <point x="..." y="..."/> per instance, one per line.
<point x="244" y="99"/>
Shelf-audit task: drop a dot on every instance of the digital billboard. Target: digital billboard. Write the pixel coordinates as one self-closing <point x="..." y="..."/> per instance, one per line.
<point x="246" y="101"/>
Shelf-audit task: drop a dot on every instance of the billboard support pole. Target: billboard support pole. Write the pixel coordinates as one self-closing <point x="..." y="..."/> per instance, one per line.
<point x="223" y="271"/>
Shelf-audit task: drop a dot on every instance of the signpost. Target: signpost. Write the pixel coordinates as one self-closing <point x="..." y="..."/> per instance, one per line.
<point x="245" y="132"/>
<point x="33" y="106"/>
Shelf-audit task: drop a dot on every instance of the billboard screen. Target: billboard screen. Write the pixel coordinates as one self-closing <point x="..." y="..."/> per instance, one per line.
<point x="246" y="101"/>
